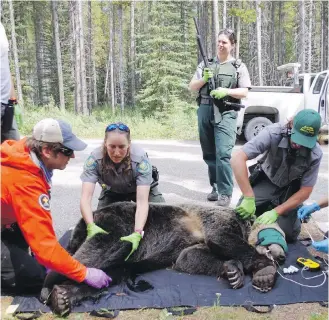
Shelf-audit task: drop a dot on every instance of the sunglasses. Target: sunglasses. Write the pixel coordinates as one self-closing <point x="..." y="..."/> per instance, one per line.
<point x="114" y="126"/>
<point x="66" y="151"/>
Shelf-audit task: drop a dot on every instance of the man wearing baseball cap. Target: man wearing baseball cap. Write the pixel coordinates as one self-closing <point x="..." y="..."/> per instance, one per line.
<point x="26" y="171"/>
<point x="285" y="175"/>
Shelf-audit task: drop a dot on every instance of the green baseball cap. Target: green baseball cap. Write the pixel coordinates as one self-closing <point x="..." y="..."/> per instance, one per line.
<point x="306" y="126"/>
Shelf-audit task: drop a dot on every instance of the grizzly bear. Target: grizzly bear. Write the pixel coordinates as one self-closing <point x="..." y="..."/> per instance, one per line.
<point x="190" y="238"/>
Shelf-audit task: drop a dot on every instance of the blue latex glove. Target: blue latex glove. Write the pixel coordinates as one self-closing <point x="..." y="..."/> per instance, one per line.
<point x="267" y="217"/>
<point x="97" y="278"/>
<point x="321" y="245"/>
<point x="305" y="212"/>
<point x="134" y="238"/>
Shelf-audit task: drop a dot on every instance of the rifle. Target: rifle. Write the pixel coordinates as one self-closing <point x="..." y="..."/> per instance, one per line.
<point x="211" y="81"/>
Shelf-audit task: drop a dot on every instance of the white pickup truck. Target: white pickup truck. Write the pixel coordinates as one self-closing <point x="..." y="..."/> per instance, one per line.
<point x="268" y="104"/>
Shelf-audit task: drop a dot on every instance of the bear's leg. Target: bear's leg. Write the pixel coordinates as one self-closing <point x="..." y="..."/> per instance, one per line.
<point x="198" y="259"/>
<point x="102" y="252"/>
<point x="227" y="245"/>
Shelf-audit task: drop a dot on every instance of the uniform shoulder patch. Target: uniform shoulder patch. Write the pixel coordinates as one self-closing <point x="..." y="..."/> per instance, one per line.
<point x="90" y="163"/>
<point x="144" y="167"/>
<point x="44" y="201"/>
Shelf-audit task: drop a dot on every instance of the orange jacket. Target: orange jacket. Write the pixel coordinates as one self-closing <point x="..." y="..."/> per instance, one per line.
<point x="24" y="199"/>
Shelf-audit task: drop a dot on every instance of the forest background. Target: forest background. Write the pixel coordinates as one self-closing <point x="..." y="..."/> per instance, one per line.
<point x="93" y="62"/>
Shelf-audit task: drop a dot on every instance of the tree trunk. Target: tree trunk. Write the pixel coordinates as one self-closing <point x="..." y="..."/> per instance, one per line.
<point x="272" y="32"/>
<point x="224" y="13"/>
<point x="72" y="38"/>
<point x="283" y="39"/>
<point x="215" y="27"/>
<point x="39" y="50"/>
<point x="238" y="33"/>
<point x="77" y="63"/>
<point x="58" y="55"/>
<point x="280" y="33"/>
<point x="309" y="64"/>
<point x="14" y="45"/>
<point x="95" y="83"/>
<point x="121" y="72"/>
<point x="259" y="41"/>
<point x="89" y="61"/>
<point x="327" y="36"/>
<point x="132" y="51"/>
<point x="84" y="107"/>
<point x="301" y="36"/>
<point x="111" y="57"/>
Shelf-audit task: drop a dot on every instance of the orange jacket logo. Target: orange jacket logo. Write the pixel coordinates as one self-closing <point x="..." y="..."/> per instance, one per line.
<point x="44" y="202"/>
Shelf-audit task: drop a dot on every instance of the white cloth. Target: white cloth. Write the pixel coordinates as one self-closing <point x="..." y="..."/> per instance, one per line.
<point x="5" y="78"/>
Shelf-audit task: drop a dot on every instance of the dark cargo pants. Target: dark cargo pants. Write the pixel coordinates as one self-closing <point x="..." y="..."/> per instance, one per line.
<point x="217" y="141"/>
<point x="9" y="129"/>
<point x="108" y="197"/>
<point x="20" y="272"/>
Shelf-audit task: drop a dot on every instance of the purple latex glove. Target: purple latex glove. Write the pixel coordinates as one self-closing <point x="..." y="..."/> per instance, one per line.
<point x="97" y="278"/>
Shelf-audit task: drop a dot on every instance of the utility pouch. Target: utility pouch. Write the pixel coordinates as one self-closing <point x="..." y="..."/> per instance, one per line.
<point x="155" y="177"/>
<point x="7" y="117"/>
<point x="256" y="173"/>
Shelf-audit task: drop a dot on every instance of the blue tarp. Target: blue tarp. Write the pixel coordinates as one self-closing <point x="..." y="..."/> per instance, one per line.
<point x="174" y="289"/>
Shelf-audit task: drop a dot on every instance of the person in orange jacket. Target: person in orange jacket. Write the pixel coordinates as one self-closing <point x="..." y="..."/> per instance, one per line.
<point x="26" y="171"/>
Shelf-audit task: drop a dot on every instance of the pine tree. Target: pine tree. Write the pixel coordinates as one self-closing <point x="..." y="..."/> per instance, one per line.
<point x="165" y="71"/>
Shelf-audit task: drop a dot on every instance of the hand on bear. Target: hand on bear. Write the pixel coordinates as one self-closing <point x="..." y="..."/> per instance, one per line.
<point x="93" y="229"/>
<point x="247" y="208"/>
<point x="267" y="217"/>
<point x="134" y="238"/>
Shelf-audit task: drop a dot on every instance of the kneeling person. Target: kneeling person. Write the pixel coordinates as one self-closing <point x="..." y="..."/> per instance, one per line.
<point x="125" y="174"/>
<point x="26" y="224"/>
<point x="286" y="174"/>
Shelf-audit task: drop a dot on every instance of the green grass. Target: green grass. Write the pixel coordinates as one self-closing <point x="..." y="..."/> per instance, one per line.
<point x="180" y="126"/>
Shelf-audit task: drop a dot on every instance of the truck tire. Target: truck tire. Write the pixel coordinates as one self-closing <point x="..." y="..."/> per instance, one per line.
<point x="254" y="126"/>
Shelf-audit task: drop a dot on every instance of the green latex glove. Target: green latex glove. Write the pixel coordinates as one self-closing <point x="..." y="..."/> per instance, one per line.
<point x="18" y="112"/>
<point x="219" y="93"/>
<point x="247" y="208"/>
<point x="267" y="217"/>
<point x="93" y="229"/>
<point x="134" y="238"/>
<point x="207" y="74"/>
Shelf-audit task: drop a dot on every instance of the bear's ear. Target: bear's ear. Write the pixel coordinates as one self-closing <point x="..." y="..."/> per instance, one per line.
<point x="277" y="252"/>
<point x="261" y="249"/>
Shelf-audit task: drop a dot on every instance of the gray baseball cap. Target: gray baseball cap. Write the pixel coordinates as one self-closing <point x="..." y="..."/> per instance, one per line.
<point x="57" y="131"/>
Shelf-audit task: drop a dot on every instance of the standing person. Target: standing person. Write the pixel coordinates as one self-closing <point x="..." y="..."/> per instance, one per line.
<point x="9" y="130"/>
<point x="124" y="172"/>
<point x="218" y="138"/>
<point x="305" y="212"/>
<point x="286" y="174"/>
<point x="26" y="171"/>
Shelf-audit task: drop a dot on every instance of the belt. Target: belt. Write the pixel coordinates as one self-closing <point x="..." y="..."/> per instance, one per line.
<point x="209" y="102"/>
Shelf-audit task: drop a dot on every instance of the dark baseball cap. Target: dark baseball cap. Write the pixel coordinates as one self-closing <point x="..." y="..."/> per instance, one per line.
<point x="306" y="126"/>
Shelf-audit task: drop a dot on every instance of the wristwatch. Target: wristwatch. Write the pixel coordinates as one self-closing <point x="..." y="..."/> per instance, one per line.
<point x="141" y="232"/>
